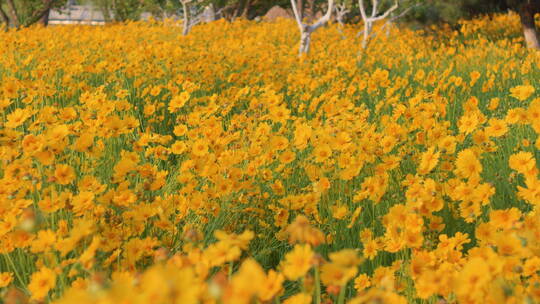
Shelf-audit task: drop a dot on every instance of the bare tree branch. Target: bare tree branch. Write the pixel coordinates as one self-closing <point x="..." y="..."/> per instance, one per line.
<point x="341" y="11"/>
<point x="296" y="14"/>
<point x="374" y="7"/>
<point x="324" y="19"/>
<point x="374" y="17"/>
<point x="383" y="16"/>
<point x="306" y="30"/>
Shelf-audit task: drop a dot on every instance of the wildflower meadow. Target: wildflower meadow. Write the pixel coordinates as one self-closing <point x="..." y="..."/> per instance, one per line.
<point x="140" y="165"/>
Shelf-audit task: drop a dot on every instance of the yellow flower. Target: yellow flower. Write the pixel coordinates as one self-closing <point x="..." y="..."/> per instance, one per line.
<point x="300" y="298"/>
<point x="221" y="252"/>
<point x="41" y="283"/>
<point x="522" y="92"/>
<point x="362" y="282"/>
<point x="468" y="123"/>
<point x="178" y="101"/>
<point x="298" y="262"/>
<point x="523" y="162"/>
<point x="300" y="231"/>
<point x="124" y="198"/>
<point x="271" y="285"/>
<point x="428" y="161"/>
<point x="17" y="118"/>
<point x="322" y="153"/>
<point x="5" y="279"/>
<point x="83" y="202"/>
<point x="493" y="103"/>
<point x="44" y="241"/>
<point x="370" y="249"/>
<point x="200" y="148"/>
<point x="496" y="128"/>
<point x="178" y="147"/>
<point x="341" y="269"/>
<point x="333" y="274"/>
<point x="32" y="144"/>
<point x="64" y="174"/>
<point x="467" y="164"/>
<point x="180" y="130"/>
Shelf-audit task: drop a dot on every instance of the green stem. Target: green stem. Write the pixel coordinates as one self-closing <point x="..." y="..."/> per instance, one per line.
<point x="317" y="286"/>
<point x="230" y="270"/>
<point x="341" y="297"/>
<point x="17" y="275"/>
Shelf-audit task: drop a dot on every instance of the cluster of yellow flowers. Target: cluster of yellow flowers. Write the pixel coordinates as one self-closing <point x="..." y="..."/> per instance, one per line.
<point x="141" y="166"/>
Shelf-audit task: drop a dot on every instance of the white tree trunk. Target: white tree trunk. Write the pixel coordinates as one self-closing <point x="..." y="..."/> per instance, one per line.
<point x="367" y="32"/>
<point x="531" y="38"/>
<point x="305" y="40"/>
<point x="369" y="20"/>
<point x="185" y="7"/>
<point x="306" y="30"/>
<point x="526" y="15"/>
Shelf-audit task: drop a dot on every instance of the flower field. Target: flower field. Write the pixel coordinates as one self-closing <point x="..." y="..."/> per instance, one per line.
<point x="138" y="165"/>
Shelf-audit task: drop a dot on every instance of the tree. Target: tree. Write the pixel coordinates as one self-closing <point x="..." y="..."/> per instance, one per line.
<point x="121" y="10"/>
<point x="450" y="12"/>
<point x="191" y="15"/>
<point x="378" y="14"/>
<point x="343" y="7"/>
<point x="23" y="13"/>
<point x="161" y="9"/>
<point x="526" y="10"/>
<point x="307" y="29"/>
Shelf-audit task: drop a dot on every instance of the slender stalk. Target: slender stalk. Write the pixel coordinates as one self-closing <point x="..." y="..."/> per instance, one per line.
<point x="317" y="286"/>
<point x="17" y="275"/>
<point x="341" y="296"/>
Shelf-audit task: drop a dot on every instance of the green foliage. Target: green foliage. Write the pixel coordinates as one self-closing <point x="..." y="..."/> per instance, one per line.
<point x="120" y="10"/>
<point x="451" y="11"/>
<point x="28" y="12"/>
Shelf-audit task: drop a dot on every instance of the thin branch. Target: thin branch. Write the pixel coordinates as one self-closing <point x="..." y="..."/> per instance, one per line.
<point x="324" y="19"/>
<point x="404" y="12"/>
<point x="341" y="11"/>
<point x="297" y="15"/>
<point x="383" y="16"/>
<point x="362" y="10"/>
<point x="374" y="6"/>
